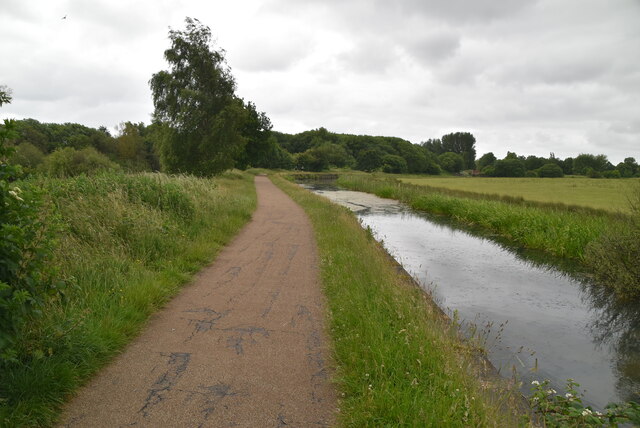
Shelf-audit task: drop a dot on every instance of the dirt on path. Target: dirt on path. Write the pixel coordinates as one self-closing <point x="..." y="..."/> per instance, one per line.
<point x="242" y="346"/>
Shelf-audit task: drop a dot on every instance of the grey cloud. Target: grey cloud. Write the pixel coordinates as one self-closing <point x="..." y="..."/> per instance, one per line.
<point x="433" y="47"/>
<point x="370" y="56"/>
<point x="271" y="53"/>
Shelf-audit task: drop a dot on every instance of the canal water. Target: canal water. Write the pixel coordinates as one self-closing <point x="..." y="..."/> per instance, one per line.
<point x="535" y="317"/>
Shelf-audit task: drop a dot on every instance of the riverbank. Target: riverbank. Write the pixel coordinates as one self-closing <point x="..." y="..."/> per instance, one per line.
<point x="398" y="360"/>
<point x="127" y="245"/>
<point x="593" y="238"/>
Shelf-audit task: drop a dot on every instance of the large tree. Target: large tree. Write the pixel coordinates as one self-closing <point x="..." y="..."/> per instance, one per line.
<point x="195" y="103"/>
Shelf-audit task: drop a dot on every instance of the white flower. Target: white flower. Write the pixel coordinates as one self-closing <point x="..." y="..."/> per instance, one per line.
<point x="535" y="382"/>
<point x="15" y="194"/>
<point x="586" y="412"/>
<point x="598" y="413"/>
<point x="551" y="391"/>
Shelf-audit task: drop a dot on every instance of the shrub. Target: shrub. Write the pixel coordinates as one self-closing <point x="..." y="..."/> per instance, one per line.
<point x="550" y="170"/>
<point x="25" y="243"/>
<point x="531" y="174"/>
<point x="28" y="156"/>
<point x="69" y="162"/>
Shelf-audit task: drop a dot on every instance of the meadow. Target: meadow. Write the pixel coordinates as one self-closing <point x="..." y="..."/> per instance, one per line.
<point x="610" y="194"/>
<point x="125" y="245"/>
<point x="398" y="360"/>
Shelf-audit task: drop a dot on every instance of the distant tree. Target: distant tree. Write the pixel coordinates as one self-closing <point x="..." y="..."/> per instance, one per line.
<point x="532" y="162"/>
<point x="434" y="146"/>
<point x="394" y="164"/>
<point x="451" y="162"/>
<point x="550" y="170"/>
<point x="567" y="166"/>
<point x="583" y="161"/>
<point x="5" y="95"/>
<point x="485" y="160"/>
<point x="628" y="168"/>
<point x="310" y="161"/>
<point x="28" y="156"/>
<point x="369" y="160"/>
<point x="462" y="143"/>
<point x="196" y="105"/>
<point x="257" y="131"/>
<point x="509" y="167"/>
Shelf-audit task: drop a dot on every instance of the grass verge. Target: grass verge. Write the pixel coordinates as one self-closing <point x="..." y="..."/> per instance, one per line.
<point x="399" y="362"/>
<point x="128" y="243"/>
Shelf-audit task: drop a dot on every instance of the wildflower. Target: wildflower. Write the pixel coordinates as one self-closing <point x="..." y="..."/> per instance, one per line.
<point x="551" y="391"/>
<point x="15" y="193"/>
<point x="569" y="396"/>
<point x="535" y="382"/>
<point x="586" y="412"/>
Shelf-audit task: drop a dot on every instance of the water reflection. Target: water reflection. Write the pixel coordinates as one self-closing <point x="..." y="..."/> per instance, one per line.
<point x="539" y="315"/>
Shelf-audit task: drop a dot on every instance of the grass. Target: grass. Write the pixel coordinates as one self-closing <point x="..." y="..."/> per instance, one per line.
<point x="609" y="195"/>
<point x="555" y="230"/>
<point x="128" y="243"/>
<point x="399" y="362"/>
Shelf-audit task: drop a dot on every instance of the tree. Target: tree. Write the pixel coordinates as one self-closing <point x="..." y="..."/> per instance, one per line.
<point x="550" y="170"/>
<point x="369" y="160"/>
<point x="196" y="105"/>
<point x="509" y="167"/>
<point x="451" y="162"/>
<point x="394" y="164"/>
<point x="584" y="161"/>
<point x="462" y="143"/>
<point x="485" y="160"/>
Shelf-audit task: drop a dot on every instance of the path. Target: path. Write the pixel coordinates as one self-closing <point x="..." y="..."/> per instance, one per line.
<point x="243" y="346"/>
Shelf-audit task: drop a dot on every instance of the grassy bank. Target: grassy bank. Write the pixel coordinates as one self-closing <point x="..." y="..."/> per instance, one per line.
<point x="399" y="362"/>
<point x="608" y="195"/>
<point x="127" y="244"/>
<point x="559" y="232"/>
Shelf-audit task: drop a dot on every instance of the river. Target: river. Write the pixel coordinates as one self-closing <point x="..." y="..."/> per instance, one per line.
<point x="536" y="316"/>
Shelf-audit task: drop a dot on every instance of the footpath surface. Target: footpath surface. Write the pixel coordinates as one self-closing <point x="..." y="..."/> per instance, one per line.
<point x="242" y="346"/>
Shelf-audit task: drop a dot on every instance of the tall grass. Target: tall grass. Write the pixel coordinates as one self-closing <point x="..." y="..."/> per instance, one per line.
<point x="558" y="231"/>
<point x="398" y="361"/>
<point x="128" y="243"/>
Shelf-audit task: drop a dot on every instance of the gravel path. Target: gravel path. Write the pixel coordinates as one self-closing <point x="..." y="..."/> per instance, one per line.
<point x="242" y="346"/>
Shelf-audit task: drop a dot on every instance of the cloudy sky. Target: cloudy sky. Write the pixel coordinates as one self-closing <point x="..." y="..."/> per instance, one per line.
<point x="530" y="76"/>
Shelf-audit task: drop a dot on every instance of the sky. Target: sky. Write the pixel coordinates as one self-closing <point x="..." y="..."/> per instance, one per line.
<point x="529" y="76"/>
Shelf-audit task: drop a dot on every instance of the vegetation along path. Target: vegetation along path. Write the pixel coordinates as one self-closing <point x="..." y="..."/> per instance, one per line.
<point x="244" y="345"/>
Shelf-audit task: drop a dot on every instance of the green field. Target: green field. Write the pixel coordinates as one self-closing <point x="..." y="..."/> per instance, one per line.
<point x="610" y="194"/>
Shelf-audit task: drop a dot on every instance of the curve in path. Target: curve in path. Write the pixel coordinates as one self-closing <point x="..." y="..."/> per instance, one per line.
<point x="243" y="345"/>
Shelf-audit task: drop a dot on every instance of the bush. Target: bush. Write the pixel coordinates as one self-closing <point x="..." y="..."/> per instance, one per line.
<point x="25" y="243"/>
<point x="28" y="156"/>
<point x="531" y="174"/>
<point x="550" y="170"/>
<point x="69" y="162"/>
